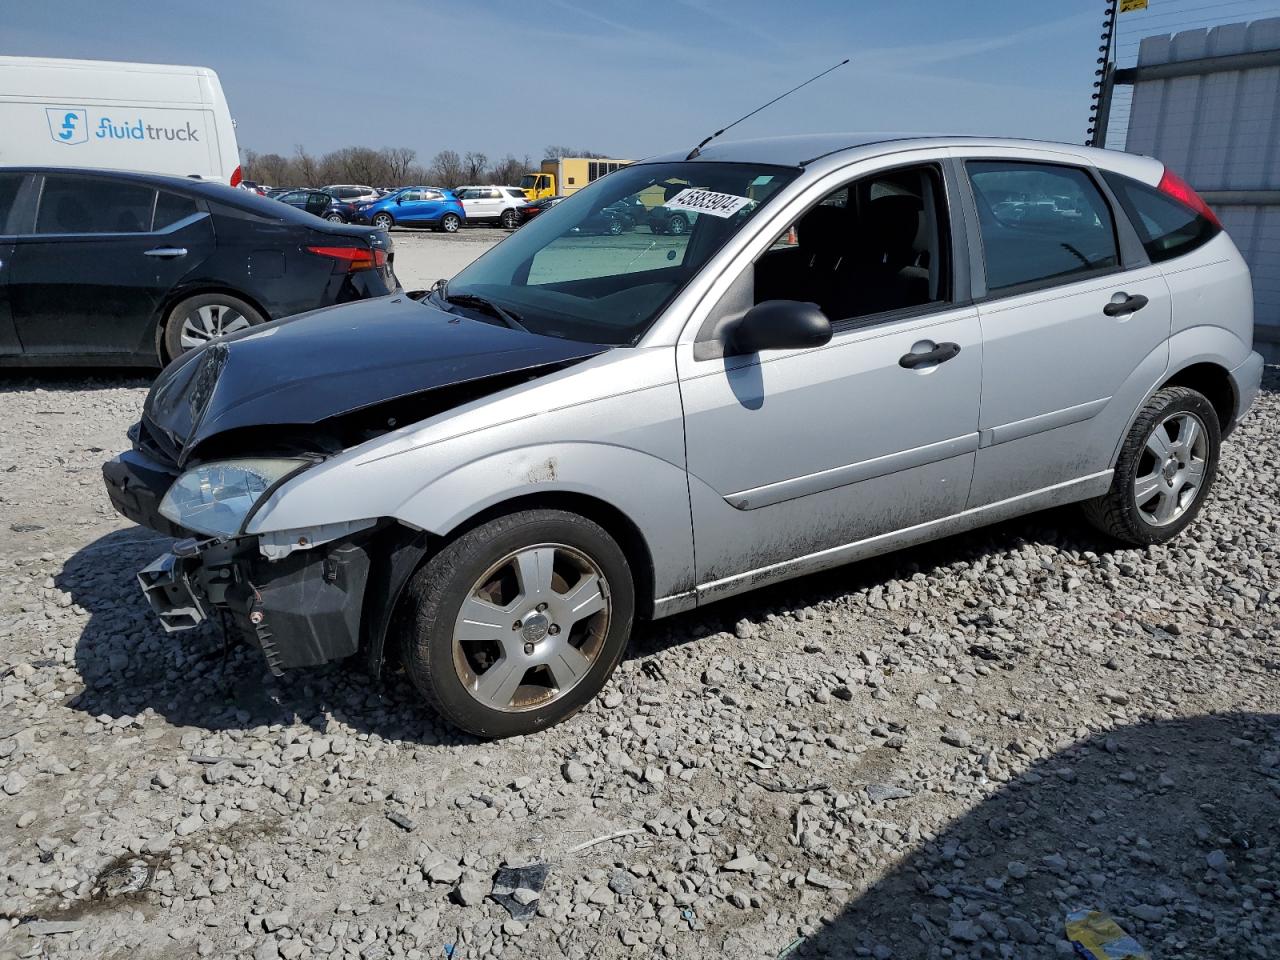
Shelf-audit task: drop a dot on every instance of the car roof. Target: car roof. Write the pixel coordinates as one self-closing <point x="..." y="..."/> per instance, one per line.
<point x="805" y="149"/>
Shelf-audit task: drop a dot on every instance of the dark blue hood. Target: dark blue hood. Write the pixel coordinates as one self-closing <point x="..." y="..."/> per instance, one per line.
<point x="314" y="366"/>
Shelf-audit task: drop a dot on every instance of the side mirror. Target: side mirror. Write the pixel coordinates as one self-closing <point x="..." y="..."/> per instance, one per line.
<point x="399" y="200"/>
<point x="780" y="325"/>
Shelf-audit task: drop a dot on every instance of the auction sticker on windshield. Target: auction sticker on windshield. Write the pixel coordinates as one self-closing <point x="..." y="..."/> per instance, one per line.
<point x="708" y="202"/>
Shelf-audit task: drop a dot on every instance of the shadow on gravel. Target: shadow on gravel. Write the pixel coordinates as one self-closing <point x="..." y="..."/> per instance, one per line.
<point x="1170" y="827"/>
<point x="193" y="679"/>
<point x="1061" y="527"/>
<point x="73" y="379"/>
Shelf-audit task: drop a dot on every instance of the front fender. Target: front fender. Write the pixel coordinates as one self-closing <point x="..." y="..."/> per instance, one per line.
<point x="651" y="492"/>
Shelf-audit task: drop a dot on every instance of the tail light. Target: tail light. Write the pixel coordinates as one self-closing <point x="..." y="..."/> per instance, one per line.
<point x="1174" y="186"/>
<point x="354" y="258"/>
<point x="236" y="176"/>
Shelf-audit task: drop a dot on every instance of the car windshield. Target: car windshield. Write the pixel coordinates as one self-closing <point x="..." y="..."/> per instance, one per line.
<point x="601" y="265"/>
<point x="528" y="180"/>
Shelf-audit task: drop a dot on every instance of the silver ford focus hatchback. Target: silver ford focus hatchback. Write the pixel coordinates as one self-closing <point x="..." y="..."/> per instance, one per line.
<point x="851" y="345"/>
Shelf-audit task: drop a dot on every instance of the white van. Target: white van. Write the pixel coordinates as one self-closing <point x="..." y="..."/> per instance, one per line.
<point x="143" y="117"/>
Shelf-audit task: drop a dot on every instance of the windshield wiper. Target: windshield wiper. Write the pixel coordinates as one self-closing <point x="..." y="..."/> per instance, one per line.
<point x="473" y="300"/>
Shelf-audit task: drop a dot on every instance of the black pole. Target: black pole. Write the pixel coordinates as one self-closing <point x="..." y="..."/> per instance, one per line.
<point x="1104" y="80"/>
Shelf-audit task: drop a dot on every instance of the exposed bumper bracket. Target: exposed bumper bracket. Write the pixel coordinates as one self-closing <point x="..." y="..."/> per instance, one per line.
<point x="167" y="587"/>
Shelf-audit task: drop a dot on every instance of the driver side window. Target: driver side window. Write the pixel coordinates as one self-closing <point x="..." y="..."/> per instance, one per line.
<point x="875" y="246"/>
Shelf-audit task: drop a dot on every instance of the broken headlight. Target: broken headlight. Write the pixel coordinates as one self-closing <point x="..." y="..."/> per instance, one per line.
<point x="215" y="498"/>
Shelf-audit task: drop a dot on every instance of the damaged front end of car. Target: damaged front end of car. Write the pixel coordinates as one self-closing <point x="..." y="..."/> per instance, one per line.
<point x="225" y="430"/>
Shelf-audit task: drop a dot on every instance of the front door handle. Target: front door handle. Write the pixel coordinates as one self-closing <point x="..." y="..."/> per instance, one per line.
<point x="165" y="253"/>
<point x="1124" y="303"/>
<point x="939" y="354"/>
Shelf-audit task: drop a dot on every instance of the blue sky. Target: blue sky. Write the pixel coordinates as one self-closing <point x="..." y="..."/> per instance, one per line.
<point x="622" y="77"/>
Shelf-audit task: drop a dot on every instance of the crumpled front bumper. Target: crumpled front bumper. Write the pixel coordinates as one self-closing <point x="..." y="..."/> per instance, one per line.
<point x="302" y="609"/>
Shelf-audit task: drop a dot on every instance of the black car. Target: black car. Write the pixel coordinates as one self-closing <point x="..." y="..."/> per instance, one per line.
<point x="323" y="205"/>
<point x="105" y="267"/>
<point x="531" y="210"/>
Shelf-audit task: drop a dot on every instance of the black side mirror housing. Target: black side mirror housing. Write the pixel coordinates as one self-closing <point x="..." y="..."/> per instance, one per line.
<point x="780" y="325"/>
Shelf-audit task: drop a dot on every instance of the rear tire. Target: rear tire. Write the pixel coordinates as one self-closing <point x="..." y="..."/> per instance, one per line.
<point x="519" y="576"/>
<point x="450" y="223"/>
<point x="1164" y="472"/>
<point x="193" y="322"/>
<point x="509" y="220"/>
<point x="336" y="218"/>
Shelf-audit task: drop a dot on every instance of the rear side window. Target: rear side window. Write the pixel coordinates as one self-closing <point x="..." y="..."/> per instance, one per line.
<point x="1040" y="223"/>
<point x="87" y="205"/>
<point x="172" y="207"/>
<point x="10" y="184"/>
<point x="1166" y="227"/>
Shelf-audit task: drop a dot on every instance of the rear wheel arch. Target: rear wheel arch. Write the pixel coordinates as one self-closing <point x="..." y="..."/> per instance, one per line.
<point x="176" y="296"/>
<point x="1213" y="382"/>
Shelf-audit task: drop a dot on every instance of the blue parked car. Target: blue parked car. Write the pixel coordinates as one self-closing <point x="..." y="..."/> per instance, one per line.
<point x="432" y="207"/>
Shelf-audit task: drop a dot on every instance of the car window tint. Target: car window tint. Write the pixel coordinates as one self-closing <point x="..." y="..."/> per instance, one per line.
<point x="10" y="184"/>
<point x="1166" y="227"/>
<point x="87" y="205"/>
<point x="170" y="208"/>
<point x="432" y="195"/>
<point x="1040" y="222"/>
<point x="877" y="245"/>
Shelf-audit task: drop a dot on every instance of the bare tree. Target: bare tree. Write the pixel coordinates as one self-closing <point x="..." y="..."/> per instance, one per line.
<point x="509" y="170"/>
<point x="447" y="169"/>
<point x="475" y="164"/>
<point x="555" y="152"/>
<point x="305" y="167"/>
<point x="399" y="160"/>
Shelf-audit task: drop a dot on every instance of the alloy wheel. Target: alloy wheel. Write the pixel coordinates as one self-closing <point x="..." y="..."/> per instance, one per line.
<point x="382" y="221"/>
<point x="209" y="321"/>
<point x="450" y="223"/>
<point x="1172" y="468"/>
<point x="531" y="627"/>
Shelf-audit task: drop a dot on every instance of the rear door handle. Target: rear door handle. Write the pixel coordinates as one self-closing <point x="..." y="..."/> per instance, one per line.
<point x="165" y="253"/>
<point x="939" y="354"/>
<point x="1130" y="303"/>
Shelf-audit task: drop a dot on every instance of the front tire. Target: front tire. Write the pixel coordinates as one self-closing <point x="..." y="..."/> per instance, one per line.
<point x="1164" y="472"/>
<point x="677" y="226"/>
<point x="383" y="221"/>
<point x="195" y="321"/>
<point x="517" y="624"/>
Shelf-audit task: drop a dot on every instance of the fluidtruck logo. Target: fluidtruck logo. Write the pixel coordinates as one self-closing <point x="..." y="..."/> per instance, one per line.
<point x="68" y="124"/>
<point x="71" y="125"/>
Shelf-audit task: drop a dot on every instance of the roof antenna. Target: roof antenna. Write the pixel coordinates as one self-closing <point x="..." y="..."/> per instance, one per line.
<point x="698" y="149"/>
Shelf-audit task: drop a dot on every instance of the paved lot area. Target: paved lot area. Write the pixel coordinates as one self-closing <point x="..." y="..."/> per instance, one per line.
<point x="935" y="754"/>
<point x="423" y="257"/>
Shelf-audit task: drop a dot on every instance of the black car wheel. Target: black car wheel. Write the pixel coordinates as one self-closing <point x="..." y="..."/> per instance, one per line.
<point x="677" y="225"/>
<point x="510" y="219"/>
<point x="615" y="227"/>
<point x="195" y="321"/>
<point x="450" y="223"/>
<point x="519" y="623"/>
<point x="335" y="218"/>
<point x="383" y="221"/>
<point x="1165" y="470"/>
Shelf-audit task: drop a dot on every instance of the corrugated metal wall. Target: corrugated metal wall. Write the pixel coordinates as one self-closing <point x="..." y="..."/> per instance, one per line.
<point x="1221" y="131"/>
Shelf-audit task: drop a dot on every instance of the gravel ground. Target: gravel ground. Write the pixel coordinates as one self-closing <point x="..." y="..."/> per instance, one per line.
<point x="935" y="754"/>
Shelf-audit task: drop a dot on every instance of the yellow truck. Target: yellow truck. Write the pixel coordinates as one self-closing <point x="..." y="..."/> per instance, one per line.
<point x="564" y="175"/>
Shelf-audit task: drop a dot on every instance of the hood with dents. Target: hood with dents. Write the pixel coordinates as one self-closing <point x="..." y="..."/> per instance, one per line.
<point x="335" y="361"/>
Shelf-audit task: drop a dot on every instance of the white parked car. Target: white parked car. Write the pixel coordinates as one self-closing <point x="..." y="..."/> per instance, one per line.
<point x="492" y="204"/>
